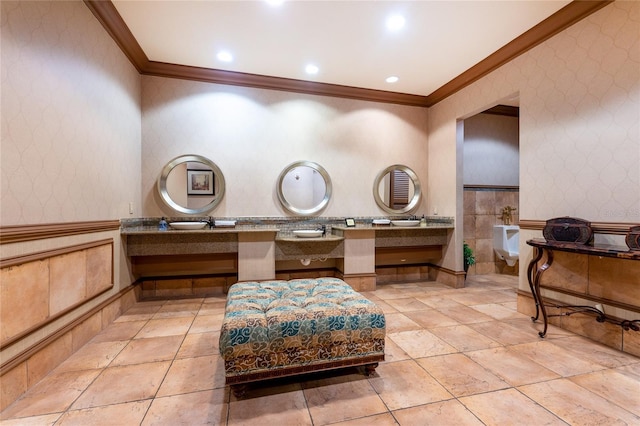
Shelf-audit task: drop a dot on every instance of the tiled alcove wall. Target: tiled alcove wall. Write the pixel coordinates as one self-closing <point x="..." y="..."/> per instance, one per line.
<point x="482" y="210"/>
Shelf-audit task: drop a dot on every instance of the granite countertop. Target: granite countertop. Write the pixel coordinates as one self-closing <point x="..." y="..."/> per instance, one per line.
<point x="384" y="228"/>
<point x="283" y="227"/>
<point x="148" y="230"/>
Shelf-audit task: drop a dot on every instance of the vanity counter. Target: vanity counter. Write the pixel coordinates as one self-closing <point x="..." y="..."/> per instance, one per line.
<point x="148" y="230"/>
<point x="391" y="228"/>
<point x="204" y="251"/>
<point x="257" y="248"/>
<point x="434" y="234"/>
<point x="152" y="242"/>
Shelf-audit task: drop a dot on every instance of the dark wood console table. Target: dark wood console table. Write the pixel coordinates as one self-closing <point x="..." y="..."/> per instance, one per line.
<point x="534" y="274"/>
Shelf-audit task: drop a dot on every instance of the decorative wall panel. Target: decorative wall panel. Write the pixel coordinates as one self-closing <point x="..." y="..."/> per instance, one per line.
<point x="36" y="291"/>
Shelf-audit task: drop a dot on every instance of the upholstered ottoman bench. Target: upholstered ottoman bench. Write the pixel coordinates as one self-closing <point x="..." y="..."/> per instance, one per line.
<point x="282" y="328"/>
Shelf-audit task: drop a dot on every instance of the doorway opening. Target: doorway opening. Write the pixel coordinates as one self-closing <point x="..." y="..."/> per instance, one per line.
<point x="491" y="186"/>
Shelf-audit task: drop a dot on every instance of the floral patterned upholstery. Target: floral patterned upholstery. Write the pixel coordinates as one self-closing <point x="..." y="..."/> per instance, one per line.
<point x="277" y="328"/>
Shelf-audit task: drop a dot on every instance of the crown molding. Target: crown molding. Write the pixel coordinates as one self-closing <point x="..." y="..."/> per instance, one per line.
<point x="559" y="21"/>
<point x="162" y="69"/>
<point x="108" y="16"/>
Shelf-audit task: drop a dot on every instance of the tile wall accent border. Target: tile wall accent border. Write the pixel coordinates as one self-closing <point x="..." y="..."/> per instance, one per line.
<point x="19" y="233"/>
<point x="611" y="228"/>
<point x="90" y="293"/>
<point x="109" y="17"/>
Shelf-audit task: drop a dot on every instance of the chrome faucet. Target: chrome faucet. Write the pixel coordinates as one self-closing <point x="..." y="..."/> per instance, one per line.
<point x="211" y="222"/>
<point x="322" y="228"/>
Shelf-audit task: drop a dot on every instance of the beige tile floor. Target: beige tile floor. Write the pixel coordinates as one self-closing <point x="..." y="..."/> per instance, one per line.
<point x="453" y="357"/>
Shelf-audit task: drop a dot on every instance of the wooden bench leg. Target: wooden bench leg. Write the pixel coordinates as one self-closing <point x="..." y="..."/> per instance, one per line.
<point x="238" y="390"/>
<point x="370" y="369"/>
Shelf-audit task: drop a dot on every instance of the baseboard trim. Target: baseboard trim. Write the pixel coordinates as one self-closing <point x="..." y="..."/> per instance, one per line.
<point x="551" y="301"/>
<point x="35" y="348"/>
<point x="451" y="278"/>
<point x="447" y="270"/>
<point x="594" y="299"/>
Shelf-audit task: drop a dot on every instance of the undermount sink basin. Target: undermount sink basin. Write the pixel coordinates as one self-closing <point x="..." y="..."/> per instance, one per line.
<point x="406" y="222"/>
<point x="188" y="225"/>
<point x="307" y="233"/>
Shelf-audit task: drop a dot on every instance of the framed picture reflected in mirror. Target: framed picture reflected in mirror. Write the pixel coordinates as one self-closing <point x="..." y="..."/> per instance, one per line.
<point x="200" y="182"/>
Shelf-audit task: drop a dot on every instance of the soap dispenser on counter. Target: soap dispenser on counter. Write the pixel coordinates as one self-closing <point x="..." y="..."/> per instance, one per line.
<point x="423" y="221"/>
<point x="162" y="225"/>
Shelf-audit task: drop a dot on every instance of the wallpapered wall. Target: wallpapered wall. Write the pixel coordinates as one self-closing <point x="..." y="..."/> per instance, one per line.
<point x="253" y="134"/>
<point x="70" y="117"/>
<point x="579" y="124"/>
<point x="70" y="151"/>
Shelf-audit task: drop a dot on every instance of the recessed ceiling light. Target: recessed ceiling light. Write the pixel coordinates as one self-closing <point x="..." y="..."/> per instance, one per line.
<point x="395" y="22"/>
<point x="392" y="79"/>
<point x="275" y="3"/>
<point x="224" y="56"/>
<point x="311" y="69"/>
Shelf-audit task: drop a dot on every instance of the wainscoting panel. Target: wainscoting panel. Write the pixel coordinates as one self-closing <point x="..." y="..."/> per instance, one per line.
<point x="40" y="287"/>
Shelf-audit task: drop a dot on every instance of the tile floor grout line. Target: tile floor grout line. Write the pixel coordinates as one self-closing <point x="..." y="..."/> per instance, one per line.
<point x="102" y="371"/>
<point x="164" y="377"/>
<point x="511" y="346"/>
<point x="538" y="404"/>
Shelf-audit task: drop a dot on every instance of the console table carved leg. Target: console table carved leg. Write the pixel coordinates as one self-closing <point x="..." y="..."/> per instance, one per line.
<point x="531" y="278"/>
<point x="577" y="239"/>
<point x="536" y="288"/>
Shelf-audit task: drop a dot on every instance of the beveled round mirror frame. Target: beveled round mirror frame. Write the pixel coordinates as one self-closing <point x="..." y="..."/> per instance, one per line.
<point x="164" y="193"/>
<point x="327" y="193"/>
<point x="417" y="192"/>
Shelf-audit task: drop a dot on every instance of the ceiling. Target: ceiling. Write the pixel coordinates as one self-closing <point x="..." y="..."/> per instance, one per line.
<point x="347" y="40"/>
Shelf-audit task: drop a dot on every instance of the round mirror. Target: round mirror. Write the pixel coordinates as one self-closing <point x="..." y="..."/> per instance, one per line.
<point x="397" y="189"/>
<point x="191" y="184"/>
<point x="304" y="188"/>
